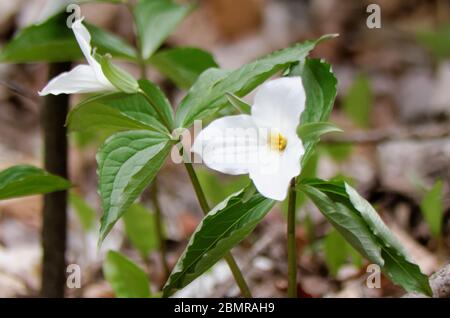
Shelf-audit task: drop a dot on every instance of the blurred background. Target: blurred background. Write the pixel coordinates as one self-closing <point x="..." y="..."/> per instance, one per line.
<point x="393" y="104"/>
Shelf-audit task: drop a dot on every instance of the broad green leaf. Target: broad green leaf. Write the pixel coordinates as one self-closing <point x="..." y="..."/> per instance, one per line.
<point x="347" y="222"/>
<point x="438" y="42"/>
<point x="239" y="104"/>
<point x="157" y="98"/>
<point x="115" y="112"/>
<point x="432" y="208"/>
<point x="358" y="101"/>
<point x="321" y="88"/>
<point x="53" y="41"/>
<point x="108" y="43"/>
<point x="313" y="131"/>
<point x="335" y="253"/>
<point x="182" y="65"/>
<point x="121" y="79"/>
<point x="23" y="180"/>
<point x="127" y="163"/>
<point x="126" y="278"/>
<point x="204" y="84"/>
<point x="84" y="211"/>
<point x="374" y="221"/>
<point x="155" y="20"/>
<point x="398" y="265"/>
<point x="222" y="228"/>
<point x="141" y="229"/>
<point x="50" y="41"/>
<point x="363" y="228"/>
<point x="207" y="98"/>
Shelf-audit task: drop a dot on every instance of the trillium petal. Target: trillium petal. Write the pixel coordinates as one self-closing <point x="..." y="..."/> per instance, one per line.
<point x="81" y="79"/>
<point x="84" y="41"/>
<point x="279" y="104"/>
<point x="228" y="144"/>
<point x="273" y="175"/>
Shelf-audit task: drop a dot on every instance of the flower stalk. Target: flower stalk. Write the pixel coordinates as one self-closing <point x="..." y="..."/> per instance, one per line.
<point x="237" y="274"/>
<point x="291" y="241"/>
<point x="159" y="218"/>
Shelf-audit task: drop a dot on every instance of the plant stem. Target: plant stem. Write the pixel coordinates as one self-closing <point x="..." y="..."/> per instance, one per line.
<point x="157" y="110"/>
<point x="140" y="58"/>
<point x="237" y="274"/>
<point x="292" y="248"/>
<point x="159" y="228"/>
<point x="54" y="223"/>
<point x="154" y="188"/>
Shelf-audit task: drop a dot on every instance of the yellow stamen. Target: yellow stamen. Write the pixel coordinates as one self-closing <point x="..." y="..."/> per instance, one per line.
<point x="277" y="142"/>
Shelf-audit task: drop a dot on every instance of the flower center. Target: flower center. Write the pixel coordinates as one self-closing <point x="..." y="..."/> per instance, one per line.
<point x="277" y="142"/>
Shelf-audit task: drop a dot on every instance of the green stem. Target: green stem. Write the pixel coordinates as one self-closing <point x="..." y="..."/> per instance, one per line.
<point x="158" y="111"/>
<point x="154" y="188"/>
<point x="292" y="248"/>
<point x="237" y="274"/>
<point x="140" y="57"/>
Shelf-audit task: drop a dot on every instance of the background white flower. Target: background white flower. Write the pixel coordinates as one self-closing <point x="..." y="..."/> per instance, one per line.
<point x="83" y="78"/>
<point x="264" y="144"/>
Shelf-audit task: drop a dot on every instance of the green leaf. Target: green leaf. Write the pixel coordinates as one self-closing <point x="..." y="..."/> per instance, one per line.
<point x="313" y="131"/>
<point x="115" y="112"/>
<point x="373" y="220"/>
<point x="155" y="20"/>
<point x="346" y="221"/>
<point x="432" y="208"/>
<point x="127" y="163"/>
<point x="204" y="99"/>
<point x="126" y="278"/>
<point x="86" y="213"/>
<point x="335" y="254"/>
<point x="122" y="80"/>
<point x="321" y="88"/>
<point x="239" y="104"/>
<point x="108" y="43"/>
<point x="53" y="41"/>
<point x="222" y="228"/>
<point x="157" y="98"/>
<point x="438" y="41"/>
<point x="358" y="102"/>
<point x="363" y="228"/>
<point x="50" y="41"/>
<point x="23" y="180"/>
<point x="182" y="65"/>
<point x="141" y="229"/>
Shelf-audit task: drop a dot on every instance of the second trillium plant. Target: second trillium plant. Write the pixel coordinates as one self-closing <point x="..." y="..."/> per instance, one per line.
<point x="83" y="78"/>
<point x="271" y="143"/>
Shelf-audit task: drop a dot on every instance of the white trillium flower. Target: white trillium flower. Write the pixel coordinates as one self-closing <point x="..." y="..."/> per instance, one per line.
<point x="264" y="144"/>
<point x="86" y="78"/>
